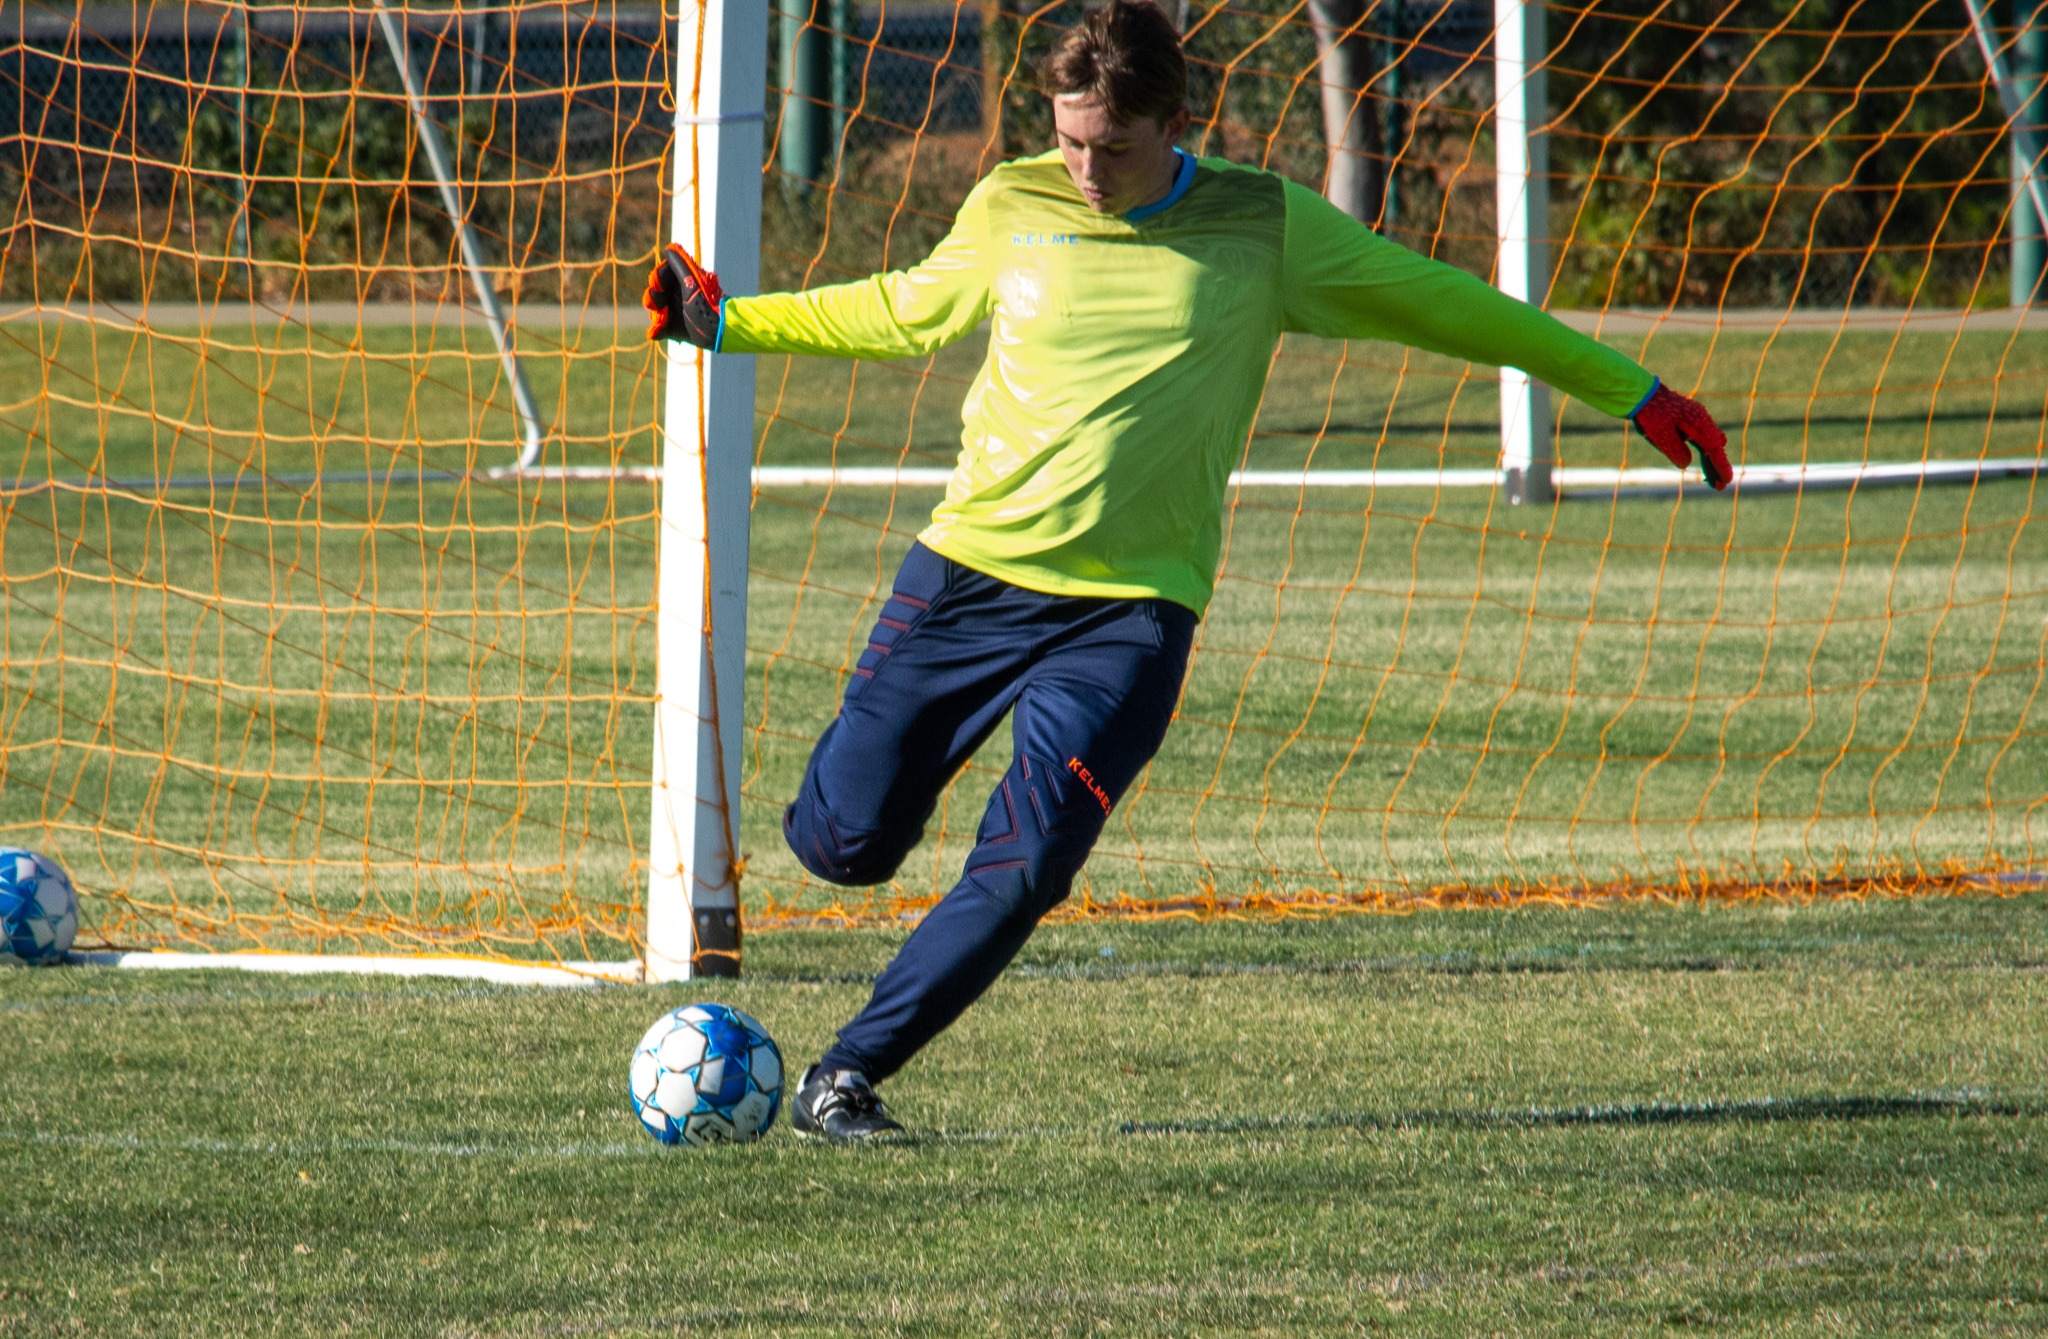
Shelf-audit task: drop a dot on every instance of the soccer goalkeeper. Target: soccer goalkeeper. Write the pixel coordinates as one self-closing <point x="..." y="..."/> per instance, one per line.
<point x="1134" y="294"/>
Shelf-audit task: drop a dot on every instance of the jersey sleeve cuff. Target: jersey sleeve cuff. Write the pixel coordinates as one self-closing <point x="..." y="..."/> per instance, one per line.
<point x="1654" y="382"/>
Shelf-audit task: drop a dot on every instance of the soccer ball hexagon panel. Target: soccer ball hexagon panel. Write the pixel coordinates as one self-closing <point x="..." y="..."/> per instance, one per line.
<point x="38" y="909"/>
<point x="706" y="1074"/>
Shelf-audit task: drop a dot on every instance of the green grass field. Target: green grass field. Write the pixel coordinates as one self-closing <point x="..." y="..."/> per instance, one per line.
<point x="1783" y="1119"/>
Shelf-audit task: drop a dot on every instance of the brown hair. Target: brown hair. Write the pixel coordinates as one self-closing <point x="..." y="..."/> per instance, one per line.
<point x="1125" y="55"/>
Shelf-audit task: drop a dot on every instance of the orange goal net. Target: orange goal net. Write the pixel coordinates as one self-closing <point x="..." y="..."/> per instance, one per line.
<point x="327" y="596"/>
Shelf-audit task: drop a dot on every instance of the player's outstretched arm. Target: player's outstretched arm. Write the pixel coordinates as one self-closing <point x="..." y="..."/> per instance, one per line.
<point x="894" y="315"/>
<point x="1342" y="279"/>
<point x="1676" y="424"/>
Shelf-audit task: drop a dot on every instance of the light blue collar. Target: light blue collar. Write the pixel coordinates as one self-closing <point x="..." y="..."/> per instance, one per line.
<point x="1181" y="181"/>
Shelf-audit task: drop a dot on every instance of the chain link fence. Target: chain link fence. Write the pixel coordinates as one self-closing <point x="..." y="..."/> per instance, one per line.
<point x="270" y="147"/>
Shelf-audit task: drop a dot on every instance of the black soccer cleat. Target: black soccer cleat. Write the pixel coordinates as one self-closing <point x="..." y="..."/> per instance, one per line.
<point x="840" y="1106"/>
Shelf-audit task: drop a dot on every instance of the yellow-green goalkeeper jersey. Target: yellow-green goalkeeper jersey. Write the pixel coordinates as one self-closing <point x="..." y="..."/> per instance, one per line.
<point x="1126" y="357"/>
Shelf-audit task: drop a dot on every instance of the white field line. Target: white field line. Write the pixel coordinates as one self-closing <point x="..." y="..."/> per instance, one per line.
<point x="863" y="476"/>
<point x="306" y="964"/>
<point x="1572" y="480"/>
<point x="1954" y="1103"/>
<point x="303" y="1147"/>
<point x="214" y="999"/>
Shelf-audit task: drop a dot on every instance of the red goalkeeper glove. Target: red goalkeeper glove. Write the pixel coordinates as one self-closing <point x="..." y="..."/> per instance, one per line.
<point x="684" y="299"/>
<point x="1672" y="422"/>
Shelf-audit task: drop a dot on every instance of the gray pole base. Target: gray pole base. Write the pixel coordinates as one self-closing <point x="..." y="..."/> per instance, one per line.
<point x="717" y="948"/>
<point x="1528" y="487"/>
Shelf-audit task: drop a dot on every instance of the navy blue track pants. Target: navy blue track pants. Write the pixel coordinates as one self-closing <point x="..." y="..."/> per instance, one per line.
<point x="1092" y="684"/>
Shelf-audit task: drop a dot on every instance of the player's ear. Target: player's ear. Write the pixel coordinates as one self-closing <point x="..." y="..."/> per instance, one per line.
<point x="1176" y="125"/>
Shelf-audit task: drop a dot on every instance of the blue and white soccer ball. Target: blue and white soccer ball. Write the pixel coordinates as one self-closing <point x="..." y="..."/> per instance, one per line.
<point x="706" y="1074"/>
<point x="38" y="909"/>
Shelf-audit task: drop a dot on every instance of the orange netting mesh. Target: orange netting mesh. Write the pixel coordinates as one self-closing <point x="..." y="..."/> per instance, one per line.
<point x="289" y="660"/>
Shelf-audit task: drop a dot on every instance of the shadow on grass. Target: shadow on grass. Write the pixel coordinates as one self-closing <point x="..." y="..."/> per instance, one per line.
<point x="1759" y="1110"/>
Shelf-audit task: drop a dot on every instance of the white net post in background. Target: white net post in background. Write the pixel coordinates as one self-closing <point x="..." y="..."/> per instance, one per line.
<point x="1522" y="196"/>
<point x="707" y="451"/>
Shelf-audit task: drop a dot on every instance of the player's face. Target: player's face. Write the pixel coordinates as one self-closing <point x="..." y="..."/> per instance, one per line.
<point x="1118" y="167"/>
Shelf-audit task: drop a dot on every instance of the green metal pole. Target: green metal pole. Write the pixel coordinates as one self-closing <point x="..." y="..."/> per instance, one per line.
<point x="2029" y="65"/>
<point x="807" y="93"/>
<point x="842" y="78"/>
<point x="1390" y="135"/>
<point x="239" y="241"/>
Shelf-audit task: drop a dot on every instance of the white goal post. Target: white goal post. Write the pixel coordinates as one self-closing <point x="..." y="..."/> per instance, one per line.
<point x="693" y="910"/>
<point x="1521" y="192"/>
